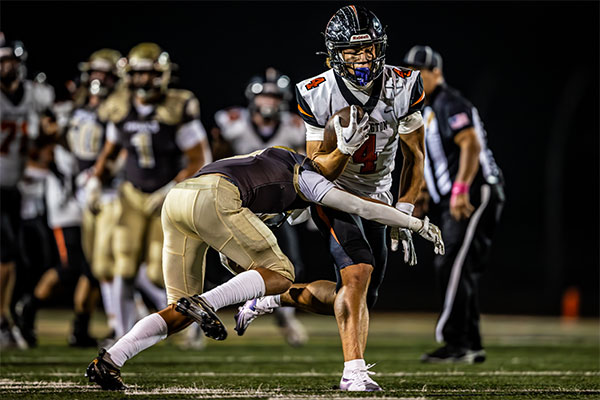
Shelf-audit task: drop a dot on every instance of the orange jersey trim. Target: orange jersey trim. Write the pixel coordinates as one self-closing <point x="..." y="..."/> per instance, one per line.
<point x="420" y="99"/>
<point x="62" y="247"/>
<point x="304" y="112"/>
<point x="326" y="220"/>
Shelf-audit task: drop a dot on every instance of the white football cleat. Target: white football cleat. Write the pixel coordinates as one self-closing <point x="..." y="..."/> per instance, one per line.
<point x="358" y="380"/>
<point x="247" y="313"/>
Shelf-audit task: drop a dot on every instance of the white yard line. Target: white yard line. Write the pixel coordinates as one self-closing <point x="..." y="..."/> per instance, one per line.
<point x="324" y="374"/>
<point x="15" y="386"/>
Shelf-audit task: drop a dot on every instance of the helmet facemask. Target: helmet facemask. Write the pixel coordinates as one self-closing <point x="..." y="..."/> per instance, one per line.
<point x="357" y="71"/>
<point x="269" y="94"/>
<point x="149" y="58"/>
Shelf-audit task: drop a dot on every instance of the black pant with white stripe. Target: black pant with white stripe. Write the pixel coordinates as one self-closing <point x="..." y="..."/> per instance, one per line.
<point x="468" y="243"/>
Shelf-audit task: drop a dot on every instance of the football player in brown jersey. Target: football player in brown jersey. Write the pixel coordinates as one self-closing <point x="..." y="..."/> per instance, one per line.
<point x="165" y="142"/>
<point x="218" y="209"/>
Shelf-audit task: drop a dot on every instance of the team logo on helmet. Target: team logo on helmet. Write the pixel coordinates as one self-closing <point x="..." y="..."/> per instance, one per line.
<point x="355" y="27"/>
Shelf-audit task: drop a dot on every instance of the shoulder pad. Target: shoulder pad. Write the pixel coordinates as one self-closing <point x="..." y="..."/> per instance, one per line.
<point x="170" y="111"/>
<point x="405" y="86"/>
<point x="116" y="107"/>
<point x="312" y="96"/>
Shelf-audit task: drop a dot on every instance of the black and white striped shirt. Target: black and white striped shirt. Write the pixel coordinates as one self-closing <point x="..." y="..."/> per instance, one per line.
<point x="446" y="114"/>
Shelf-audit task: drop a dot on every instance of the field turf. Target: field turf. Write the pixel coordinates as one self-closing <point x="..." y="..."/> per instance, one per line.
<point x="528" y="358"/>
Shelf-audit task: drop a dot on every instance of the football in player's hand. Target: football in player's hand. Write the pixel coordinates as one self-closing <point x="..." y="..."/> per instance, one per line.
<point x="329" y="137"/>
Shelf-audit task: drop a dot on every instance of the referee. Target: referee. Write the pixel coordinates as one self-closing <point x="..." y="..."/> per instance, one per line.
<point x="466" y="188"/>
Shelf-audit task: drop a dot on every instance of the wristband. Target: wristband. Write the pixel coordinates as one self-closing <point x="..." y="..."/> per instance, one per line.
<point x="406" y="208"/>
<point x="460" y="188"/>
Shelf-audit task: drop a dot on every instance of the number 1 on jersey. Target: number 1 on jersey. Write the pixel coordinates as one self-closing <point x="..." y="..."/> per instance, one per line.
<point x="366" y="155"/>
<point x="143" y="144"/>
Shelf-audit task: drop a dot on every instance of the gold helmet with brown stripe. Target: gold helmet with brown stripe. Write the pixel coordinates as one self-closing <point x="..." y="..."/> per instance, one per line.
<point x="149" y="68"/>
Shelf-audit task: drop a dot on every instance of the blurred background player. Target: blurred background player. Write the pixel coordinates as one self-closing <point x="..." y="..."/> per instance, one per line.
<point x="69" y="268"/>
<point x="393" y="98"/>
<point x="166" y="143"/>
<point x="467" y="190"/>
<point x="267" y="122"/>
<point x="21" y="103"/>
<point x="86" y="134"/>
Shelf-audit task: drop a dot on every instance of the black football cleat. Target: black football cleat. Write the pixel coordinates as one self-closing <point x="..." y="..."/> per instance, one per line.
<point x="105" y="373"/>
<point x="448" y="354"/>
<point x="200" y="311"/>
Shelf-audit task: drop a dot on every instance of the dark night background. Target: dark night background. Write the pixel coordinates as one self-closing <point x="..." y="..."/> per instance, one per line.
<point x="530" y="67"/>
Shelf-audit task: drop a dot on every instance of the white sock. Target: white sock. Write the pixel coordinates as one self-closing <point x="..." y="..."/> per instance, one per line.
<point x="107" y="302"/>
<point x="354" y="364"/>
<point x="124" y="306"/>
<point x="147" y="332"/>
<point x="245" y="286"/>
<point x="157" y="295"/>
<point x="273" y="301"/>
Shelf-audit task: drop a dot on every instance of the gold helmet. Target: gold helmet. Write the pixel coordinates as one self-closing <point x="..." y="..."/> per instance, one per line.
<point x="108" y="61"/>
<point x="149" y="57"/>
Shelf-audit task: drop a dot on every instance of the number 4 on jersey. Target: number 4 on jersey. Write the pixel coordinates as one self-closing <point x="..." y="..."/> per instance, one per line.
<point x="366" y="155"/>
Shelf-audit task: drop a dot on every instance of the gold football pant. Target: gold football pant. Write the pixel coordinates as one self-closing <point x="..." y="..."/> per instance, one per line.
<point x="96" y="235"/>
<point x="137" y="237"/>
<point x="207" y="212"/>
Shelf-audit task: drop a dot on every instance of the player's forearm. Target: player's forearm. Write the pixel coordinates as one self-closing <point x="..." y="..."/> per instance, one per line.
<point x="468" y="162"/>
<point x="411" y="177"/>
<point x="100" y="165"/>
<point x="191" y="168"/>
<point x="371" y="210"/>
<point x="332" y="164"/>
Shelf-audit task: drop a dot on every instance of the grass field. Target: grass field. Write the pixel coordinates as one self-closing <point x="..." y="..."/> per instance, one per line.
<point x="528" y="358"/>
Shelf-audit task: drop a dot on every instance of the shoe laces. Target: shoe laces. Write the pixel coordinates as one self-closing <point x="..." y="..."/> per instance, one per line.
<point x="363" y="373"/>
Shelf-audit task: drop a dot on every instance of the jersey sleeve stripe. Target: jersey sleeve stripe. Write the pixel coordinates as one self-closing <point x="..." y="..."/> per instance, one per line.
<point x="420" y="99"/>
<point x="304" y="109"/>
<point x="304" y="112"/>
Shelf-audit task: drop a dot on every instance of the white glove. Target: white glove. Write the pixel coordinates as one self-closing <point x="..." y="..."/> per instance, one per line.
<point x="156" y="199"/>
<point x="432" y="233"/>
<point x="93" y="191"/>
<point x="405" y="236"/>
<point x="350" y="138"/>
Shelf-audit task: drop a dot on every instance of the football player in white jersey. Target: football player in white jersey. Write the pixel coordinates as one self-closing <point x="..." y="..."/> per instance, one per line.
<point x="21" y="102"/>
<point x="267" y="122"/>
<point x="393" y="97"/>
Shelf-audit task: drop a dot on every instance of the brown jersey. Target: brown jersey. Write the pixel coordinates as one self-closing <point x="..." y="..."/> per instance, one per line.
<point x="264" y="178"/>
<point x="154" y="157"/>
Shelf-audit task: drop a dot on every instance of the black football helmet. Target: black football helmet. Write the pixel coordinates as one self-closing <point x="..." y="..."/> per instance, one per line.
<point x="352" y="27"/>
<point x="14" y="50"/>
<point x="271" y="83"/>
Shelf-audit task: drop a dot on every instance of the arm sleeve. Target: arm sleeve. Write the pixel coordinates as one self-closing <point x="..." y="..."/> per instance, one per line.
<point x="305" y="112"/>
<point x="313" y="185"/>
<point x="410" y="123"/>
<point x="378" y="212"/>
<point x="314" y="133"/>
<point x="417" y="97"/>
<point x="112" y="133"/>
<point x="460" y="115"/>
<point x="190" y="134"/>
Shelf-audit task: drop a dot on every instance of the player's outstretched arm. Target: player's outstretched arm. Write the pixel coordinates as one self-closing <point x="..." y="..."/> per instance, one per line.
<point x="384" y="214"/>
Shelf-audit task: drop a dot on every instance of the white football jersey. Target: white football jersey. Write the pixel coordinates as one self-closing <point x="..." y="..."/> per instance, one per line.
<point x="63" y="208"/>
<point x="237" y="128"/>
<point x="86" y="135"/>
<point x="394" y="107"/>
<point x="18" y="122"/>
